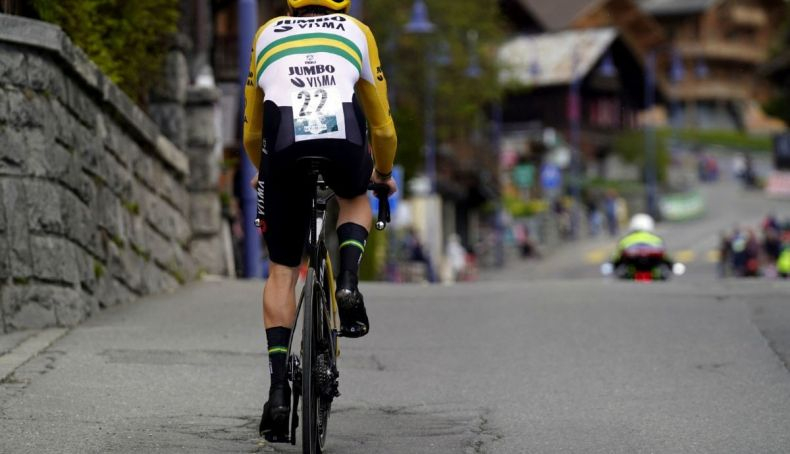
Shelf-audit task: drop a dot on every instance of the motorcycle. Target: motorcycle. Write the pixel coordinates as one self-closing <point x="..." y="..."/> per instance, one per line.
<point x="643" y="263"/>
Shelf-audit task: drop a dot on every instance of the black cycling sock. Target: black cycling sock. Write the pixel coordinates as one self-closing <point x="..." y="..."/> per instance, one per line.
<point x="352" y="238"/>
<point x="278" y="338"/>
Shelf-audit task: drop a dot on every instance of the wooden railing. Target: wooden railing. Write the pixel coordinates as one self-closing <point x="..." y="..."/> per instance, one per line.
<point x="710" y="90"/>
<point x="723" y="50"/>
<point x="747" y="16"/>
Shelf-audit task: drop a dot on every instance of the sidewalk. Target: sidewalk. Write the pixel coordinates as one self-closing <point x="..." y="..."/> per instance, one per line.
<point x="180" y="373"/>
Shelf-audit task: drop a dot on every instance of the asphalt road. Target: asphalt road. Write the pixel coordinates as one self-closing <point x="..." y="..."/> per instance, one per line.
<point x="563" y="362"/>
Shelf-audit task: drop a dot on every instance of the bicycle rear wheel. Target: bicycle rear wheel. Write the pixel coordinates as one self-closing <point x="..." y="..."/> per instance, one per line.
<point x="311" y="438"/>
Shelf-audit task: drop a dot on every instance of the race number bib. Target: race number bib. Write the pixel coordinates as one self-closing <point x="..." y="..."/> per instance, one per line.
<point x="318" y="114"/>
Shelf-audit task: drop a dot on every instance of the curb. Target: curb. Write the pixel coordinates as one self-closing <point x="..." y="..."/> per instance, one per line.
<point x="27" y="350"/>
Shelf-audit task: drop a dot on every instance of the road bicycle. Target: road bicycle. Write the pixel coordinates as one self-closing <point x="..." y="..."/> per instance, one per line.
<point x="312" y="365"/>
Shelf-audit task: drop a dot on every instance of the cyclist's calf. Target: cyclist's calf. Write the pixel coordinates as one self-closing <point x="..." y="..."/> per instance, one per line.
<point x="279" y="296"/>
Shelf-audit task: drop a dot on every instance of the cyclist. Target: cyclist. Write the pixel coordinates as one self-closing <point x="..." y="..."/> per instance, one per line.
<point x="309" y="73"/>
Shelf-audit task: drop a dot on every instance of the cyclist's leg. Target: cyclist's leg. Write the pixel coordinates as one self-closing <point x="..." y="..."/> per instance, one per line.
<point x="279" y="309"/>
<point x="355" y="210"/>
<point x="279" y="296"/>
<point x="353" y="225"/>
<point x="286" y="205"/>
<point x="349" y="178"/>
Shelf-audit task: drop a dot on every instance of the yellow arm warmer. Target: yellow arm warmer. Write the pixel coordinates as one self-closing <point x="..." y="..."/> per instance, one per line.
<point x="253" y="111"/>
<point x="377" y="109"/>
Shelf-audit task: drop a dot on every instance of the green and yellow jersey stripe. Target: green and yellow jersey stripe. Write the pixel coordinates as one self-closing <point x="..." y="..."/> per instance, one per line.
<point x="309" y="43"/>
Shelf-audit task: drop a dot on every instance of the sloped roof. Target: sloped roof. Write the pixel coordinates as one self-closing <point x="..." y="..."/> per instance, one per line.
<point x="548" y="59"/>
<point x="556" y="14"/>
<point x="668" y="7"/>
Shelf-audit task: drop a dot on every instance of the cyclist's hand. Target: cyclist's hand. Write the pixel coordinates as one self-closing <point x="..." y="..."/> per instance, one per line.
<point x="254" y="182"/>
<point x="390" y="182"/>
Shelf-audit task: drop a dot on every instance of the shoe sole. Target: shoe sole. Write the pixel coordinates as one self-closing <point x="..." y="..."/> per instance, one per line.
<point x="278" y="425"/>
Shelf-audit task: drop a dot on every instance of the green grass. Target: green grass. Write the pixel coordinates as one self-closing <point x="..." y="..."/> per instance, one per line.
<point x="98" y="269"/>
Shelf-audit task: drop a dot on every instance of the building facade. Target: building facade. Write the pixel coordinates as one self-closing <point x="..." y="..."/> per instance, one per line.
<point x="710" y="61"/>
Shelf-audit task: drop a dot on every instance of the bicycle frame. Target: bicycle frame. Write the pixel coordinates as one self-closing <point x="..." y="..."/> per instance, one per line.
<point x="317" y="246"/>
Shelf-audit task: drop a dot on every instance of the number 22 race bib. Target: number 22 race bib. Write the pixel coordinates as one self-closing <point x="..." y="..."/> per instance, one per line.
<point x="318" y="114"/>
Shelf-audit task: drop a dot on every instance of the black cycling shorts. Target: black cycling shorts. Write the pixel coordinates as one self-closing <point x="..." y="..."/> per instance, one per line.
<point x="284" y="189"/>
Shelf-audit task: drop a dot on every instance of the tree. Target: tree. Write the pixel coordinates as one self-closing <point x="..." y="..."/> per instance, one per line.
<point x="460" y="100"/>
<point x="126" y="39"/>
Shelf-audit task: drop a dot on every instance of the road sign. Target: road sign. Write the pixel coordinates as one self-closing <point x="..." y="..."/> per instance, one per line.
<point x="523" y="175"/>
<point x="550" y="177"/>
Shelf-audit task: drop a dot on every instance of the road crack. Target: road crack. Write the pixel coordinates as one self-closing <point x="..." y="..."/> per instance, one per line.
<point x="485" y="434"/>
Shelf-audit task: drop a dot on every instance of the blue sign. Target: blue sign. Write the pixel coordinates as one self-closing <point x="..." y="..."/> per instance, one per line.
<point x="550" y="177"/>
<point x="397" y="174"/>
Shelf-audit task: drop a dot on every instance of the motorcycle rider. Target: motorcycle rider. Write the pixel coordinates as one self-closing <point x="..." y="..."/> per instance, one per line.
<point x="641" y="233"/>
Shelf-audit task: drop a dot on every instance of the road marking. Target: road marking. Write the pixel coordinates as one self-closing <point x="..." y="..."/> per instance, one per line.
<point x="685" y="256"/>
<point x="600" y="255"/>
<point x="596" y="256"/>
<point x="29" y="348"/>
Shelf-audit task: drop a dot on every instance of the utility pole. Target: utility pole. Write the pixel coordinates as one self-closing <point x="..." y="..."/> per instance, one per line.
<point x="248" y="24"/>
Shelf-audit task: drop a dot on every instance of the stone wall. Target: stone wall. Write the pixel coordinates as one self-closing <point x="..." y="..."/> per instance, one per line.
<point x="96" y="206"/>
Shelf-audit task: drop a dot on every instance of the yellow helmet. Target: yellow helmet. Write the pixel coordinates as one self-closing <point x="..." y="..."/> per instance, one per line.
<point x="334" y="5"/>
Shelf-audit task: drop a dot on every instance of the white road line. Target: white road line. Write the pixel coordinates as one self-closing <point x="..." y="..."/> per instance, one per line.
<point x="29" y="348"/>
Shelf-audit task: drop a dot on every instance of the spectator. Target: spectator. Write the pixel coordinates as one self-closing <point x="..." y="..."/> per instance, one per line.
<point x="594" y="216"/>
<point x="416" y="253"/>
<point x="456" y="257"/>
<point x="610" y="212"/>
<point x="725" y="254"/>
<point x="524" y="241"/>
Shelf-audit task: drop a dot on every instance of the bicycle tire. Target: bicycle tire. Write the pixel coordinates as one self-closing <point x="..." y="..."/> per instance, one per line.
<point x="326" y="343"/>
<point x="309" y="391"/>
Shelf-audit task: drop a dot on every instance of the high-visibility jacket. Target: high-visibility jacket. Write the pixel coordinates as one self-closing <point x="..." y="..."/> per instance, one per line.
<point x="638" y="238"/>
<point x="783" y="264"/>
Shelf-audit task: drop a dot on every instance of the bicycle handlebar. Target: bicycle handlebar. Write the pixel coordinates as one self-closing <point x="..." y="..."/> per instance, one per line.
<point x="382" y="194"/>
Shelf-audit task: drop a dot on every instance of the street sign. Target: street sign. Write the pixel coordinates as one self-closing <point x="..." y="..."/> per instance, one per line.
<point x="524" y="175"/>
<point x="550" y="177"/>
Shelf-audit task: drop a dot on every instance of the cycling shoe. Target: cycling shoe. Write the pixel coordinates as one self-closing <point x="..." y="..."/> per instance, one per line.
<point x="276" y="413"/>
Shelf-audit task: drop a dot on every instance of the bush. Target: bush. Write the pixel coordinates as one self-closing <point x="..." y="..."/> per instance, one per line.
<point x="728" y="139"/>
<point x="630" y="146"/>
<point x="126" y="39"/>
<point x="523" y="208"/>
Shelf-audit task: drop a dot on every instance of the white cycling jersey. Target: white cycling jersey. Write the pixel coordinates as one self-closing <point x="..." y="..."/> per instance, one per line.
<point x="312" y="66"/>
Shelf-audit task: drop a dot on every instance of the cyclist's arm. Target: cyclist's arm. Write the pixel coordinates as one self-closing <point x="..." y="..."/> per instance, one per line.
<point x="373" y="94"/>
<point x="253" y="111"/>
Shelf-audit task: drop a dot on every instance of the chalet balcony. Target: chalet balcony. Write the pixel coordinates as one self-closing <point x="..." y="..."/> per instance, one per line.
<point x="746" y="16"/>
<point x="710" y="90"/>
<point x="723" y="50"/>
